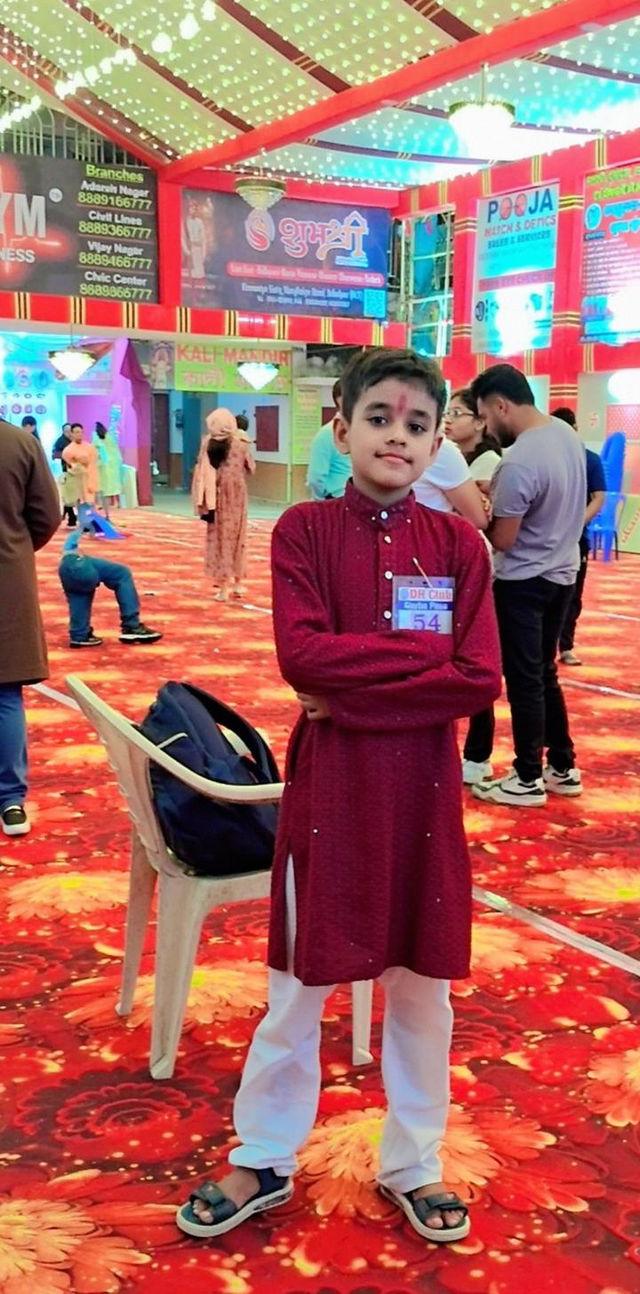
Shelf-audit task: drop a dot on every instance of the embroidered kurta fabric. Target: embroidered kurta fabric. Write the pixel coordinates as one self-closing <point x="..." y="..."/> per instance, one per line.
<point x="372" y="810"/>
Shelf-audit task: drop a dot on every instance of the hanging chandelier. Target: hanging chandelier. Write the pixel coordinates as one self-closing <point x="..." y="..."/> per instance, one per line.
<point x="72" y="362"/>
<point x="481" y="123"/>
<point x="259" y="192"/>
<point x="258" y="374"/>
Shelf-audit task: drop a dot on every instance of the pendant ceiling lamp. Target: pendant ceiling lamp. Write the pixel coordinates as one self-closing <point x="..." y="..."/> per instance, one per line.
<point x="71" y="362"/>
<point x="259" y="192"/>
<point x="258" y="375"/>
<point x="481" y="123"/>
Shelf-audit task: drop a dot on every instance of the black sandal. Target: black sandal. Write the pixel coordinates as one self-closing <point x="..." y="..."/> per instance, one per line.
<point x="418" y="1210"/>
<point x="273" y="1190"/>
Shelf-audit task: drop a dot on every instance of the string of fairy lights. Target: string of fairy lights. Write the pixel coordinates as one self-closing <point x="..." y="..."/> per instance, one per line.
<point x="201" y="45"/>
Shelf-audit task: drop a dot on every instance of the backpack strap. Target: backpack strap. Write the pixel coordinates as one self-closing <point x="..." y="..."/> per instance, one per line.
<point x="228" y="718"/>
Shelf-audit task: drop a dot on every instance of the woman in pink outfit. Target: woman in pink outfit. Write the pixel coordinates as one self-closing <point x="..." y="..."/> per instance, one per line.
<point x="219" y="491"/>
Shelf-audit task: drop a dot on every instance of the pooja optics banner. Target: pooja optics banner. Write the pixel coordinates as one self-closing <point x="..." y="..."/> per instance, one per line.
<point x="310" y="258"/>
<point x="515" y="262"/>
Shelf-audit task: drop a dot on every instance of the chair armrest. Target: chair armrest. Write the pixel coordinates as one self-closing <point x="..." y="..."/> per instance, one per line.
<point x="268" y="793"/>
<point x="116" y="731"/>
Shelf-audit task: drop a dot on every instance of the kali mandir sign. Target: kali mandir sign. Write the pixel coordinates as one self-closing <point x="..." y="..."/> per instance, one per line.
<point x="70" y="228"/>
<point x="514" y="277"/>
<point x="311" y="258"/>
<point x="200" y="366"/>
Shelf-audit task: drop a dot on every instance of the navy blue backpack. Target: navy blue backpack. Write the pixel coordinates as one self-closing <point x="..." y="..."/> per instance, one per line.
<point x="211" y="839"/>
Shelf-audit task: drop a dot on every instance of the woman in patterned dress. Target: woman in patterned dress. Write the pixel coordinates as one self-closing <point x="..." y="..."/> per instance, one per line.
<point x="225" y="451"/>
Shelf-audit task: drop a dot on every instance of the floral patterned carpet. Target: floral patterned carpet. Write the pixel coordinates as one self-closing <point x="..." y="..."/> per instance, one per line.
<point x="544" y="1137"/>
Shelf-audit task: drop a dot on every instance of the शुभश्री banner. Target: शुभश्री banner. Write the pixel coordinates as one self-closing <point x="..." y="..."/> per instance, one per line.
<point x="515" y="262"/>
<point x="611" y="256"/>
<point x="309" y="258"/>
<point x="70" y="228"/>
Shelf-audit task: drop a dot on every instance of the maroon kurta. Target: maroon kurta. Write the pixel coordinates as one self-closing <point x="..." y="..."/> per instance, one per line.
<point x="372" y="810"/>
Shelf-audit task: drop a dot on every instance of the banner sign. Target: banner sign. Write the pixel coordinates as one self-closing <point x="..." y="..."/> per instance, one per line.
<point x="310" y="258"/>
<point x="306" y="420"/>
<point x="515" y="262"/>
<point x="205" y="366"/>
<point x="156" y="359"/>
<point x="83" y="229"/>
<point x="611" y="256"/>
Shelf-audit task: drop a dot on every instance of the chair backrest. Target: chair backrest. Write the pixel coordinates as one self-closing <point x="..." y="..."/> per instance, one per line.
<point x="129" y="762"/>
<point x="608" y="516"/>
<point x="130" y="753"/>
<point x="612" y="455"/>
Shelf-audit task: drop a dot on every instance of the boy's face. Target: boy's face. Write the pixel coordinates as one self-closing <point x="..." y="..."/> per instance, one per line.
<point x="392" y="438"/>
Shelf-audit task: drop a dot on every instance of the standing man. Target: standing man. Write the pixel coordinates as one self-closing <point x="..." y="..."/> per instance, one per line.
<point x="29" y="424"/>
<point x="596" y="492"/>
<point x="329" y="470"/>
<point x="538" y="494"/>
<point x="61" y="443"/>
<point x="29" y="516"/>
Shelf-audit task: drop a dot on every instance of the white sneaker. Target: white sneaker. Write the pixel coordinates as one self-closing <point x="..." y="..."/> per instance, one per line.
<point x="15" y="821"/>
<point x="570" y="658"/>
<point x="472" y="773"/>
<point x="569" y="783"/>
<point x="510" y="790"/>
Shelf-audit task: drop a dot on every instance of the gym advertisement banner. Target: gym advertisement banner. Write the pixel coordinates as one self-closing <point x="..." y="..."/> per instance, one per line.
<point x="514" y="280"/>
<point x="81" y="229"/>
<point x="309" y="258"/>
<point x="611" y="256"/>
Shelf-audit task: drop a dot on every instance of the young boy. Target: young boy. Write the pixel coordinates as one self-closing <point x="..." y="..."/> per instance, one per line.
<point x="80" y="576"/>
<point x="384" y="625"/>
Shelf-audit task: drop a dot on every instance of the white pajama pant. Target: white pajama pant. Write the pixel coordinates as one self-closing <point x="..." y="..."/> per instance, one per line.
<point x="277" y="1102"/>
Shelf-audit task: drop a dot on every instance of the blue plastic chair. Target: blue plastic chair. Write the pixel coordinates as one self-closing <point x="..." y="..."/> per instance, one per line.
<point x="612" y="455"/>
<point x="603" y="530"/>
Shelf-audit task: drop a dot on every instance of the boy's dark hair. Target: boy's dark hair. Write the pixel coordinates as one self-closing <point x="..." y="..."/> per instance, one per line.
<point x="336" y="392"/>
<point x="28" y="421"/>
<point x="369" y="367"/>
<point x="242" y="422"/>
<point x="505" y="380"/>
<point x="565" y="415"/>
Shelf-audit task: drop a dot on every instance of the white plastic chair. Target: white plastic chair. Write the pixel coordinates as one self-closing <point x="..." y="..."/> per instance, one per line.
<point x="183" y="901"/>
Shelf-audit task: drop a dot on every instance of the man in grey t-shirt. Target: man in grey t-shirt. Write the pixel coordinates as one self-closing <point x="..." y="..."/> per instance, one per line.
<point x="538" y="495"/>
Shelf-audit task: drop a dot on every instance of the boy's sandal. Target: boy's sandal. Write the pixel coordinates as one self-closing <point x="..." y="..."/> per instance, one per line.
<point x="418" y="1210"/>
<point x="226" y="1215"/>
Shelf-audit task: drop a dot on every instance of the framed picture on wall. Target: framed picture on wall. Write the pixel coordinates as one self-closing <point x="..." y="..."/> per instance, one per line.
<point x="267" y="429"/>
